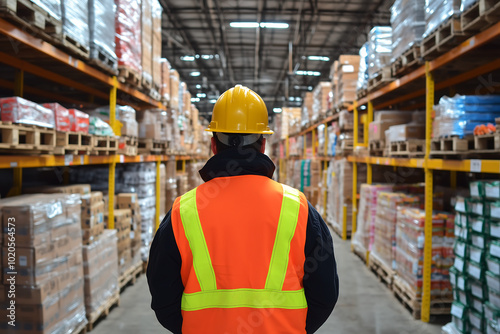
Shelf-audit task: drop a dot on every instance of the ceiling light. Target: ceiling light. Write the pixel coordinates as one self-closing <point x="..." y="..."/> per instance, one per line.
<point x="212" y="101"/>
<point x="244" y="24"/>
<point x="187" y="58"/>
<point x="311" y="73"/>
<point x="310" y="88"/>
<point x="206" y="57"/>
<point x="195" y="74"/>
<point x="201" y="95"/>
<point x="198" y="86"/>
<point x="363" y="107"/>
<point x="277" y="110"/>
<point x="274" y="25"/>
<point x="320" y="58"/>
<point x="291" y="99"/>
<point x="195" y="99"/>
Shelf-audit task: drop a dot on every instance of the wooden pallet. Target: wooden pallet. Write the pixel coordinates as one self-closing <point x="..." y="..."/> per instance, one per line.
<point x="130" y="276"/>
<point x="128" y="145"/>
<point x="408" y="148"/>
<point x="376" y="148"/>
<point x="103" y="60"/>
<point x="26" y="139"/>
<point x="31" y="17"/>
<point x="103" y="310"/>
<point x="384" y="272"/>
<point x="73" y="143"/>
<point x="359" y="251"/>
<point x="128" y="75"/>
<point x="480" y="16"/>
<point x="81" y="328"/>
<point x="360" y="93"/>
<point x="380" y="79"/>
<point x="104" y="145"/>
<point x="448" y="35"/>
<point x="406" y="296"/>
<point x="451" y="146"/>
<point x="151" y="146"/>
<point x="144" y="267"/>
<point x="74" y="46"/>
<point x="147" y="81"/>
<point x="407" y="62"/>
<point x="487" y="143"/>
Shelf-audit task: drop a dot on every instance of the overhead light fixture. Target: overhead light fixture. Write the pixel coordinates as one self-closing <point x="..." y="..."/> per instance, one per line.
<point x="244" y="24"/>
<point x="268" y="25"/>
<point x="207" y="57"/>
<point x="320" y="58"/>
<point x="274" y="25"/>
<point x="310" y="88"/>
<point x="201" y="95"/>
<point x="195" y="99"/>
<point x="213" y="101"/>
<point x="310" y="73"/>
<point x="277" y="110"/>
<point x="363" y="107"/>
<point x="195" y="74"/>
<point x="187" y="58"/>
<point x="198" y="86"/>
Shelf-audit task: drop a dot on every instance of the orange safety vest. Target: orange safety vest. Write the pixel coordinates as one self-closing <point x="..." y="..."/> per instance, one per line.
<point x="241" y="241"/>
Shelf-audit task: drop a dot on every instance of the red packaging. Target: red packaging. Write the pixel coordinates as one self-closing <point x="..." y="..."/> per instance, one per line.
<point x="18" y="110"/>
<point x="61" y="115"/>
<point x="128" y="34"/>
<point x="79" y="121"/>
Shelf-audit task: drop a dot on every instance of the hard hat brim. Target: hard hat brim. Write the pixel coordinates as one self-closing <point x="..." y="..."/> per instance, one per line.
<point x="265" y="132"/>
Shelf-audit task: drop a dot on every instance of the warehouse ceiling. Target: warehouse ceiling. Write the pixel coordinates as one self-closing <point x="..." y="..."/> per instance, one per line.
<point x="212" y="56"/>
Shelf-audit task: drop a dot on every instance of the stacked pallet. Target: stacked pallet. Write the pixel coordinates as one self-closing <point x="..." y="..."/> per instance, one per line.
<point x="321" y="105"/>
<point x="379" y="57"/>
<point x="347" y="71"/>
<point x="130" y="201"/>
<point x="383" y="120"/>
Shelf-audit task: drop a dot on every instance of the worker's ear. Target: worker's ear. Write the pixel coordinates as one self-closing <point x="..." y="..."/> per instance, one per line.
<point x="263" y="147"/>
<point x="213" y="145"/>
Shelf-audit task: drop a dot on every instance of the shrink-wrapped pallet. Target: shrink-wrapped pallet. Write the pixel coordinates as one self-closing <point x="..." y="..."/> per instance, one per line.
<point x="48" y="261"/>
<point x="152" y="124"/>
<point x="439" y="11"/>
<point x="408" y="25"/>
<point x="320" y="100"/>
<point x="174" y="89"/>
<point x="307" y="112"/>
<point x="19" y="110"/>
<point x="125" y="114"/>
<point x="147" y="43"/>
<point x="76" y="21"/>
<point x="52" y="7"/>
<point x="379" y="49"/>
<point x="347" y="71"/>
<point x="165" y="80"/>
<point x="363" y="68"/>
<point x="128" y="35"/>
<point x="156" y="40"/>
<point x="62" y="116"/>
<point x="102" y="31"/>
<point x="100" y="268"/>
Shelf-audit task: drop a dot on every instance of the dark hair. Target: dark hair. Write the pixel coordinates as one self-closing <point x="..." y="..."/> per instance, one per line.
<point x="235" y="140"/>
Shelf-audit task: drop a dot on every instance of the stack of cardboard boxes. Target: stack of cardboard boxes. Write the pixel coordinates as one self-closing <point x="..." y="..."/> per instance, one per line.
<point x="347" y="72"/>
<point x="47" y="262"/>
<point x="122" y="222"/>
<point x="130" y="201"/>
<point x="321" y="105"/>
<point x="307" y="112"/>
<point x="92" y="216"/>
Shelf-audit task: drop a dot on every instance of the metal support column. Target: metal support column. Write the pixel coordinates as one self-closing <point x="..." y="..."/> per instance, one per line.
<point x="157" y="194"/>
<point x="19" y="83"/>
<point x="17" y="185"/>
<point x="313" y="142"/>
<point x="369" y="167"/>
<point x="112" y="106"/>
<point x="111" y="195"/>
<point x="325" y="168"/>
<point x="426" y="288"/>
<point x="355" y="174"/>
<point x="453" y="179"/>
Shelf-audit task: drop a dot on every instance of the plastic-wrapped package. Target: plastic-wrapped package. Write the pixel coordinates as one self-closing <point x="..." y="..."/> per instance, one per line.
<point x="156" y="40"/>
<point x="79" y="121"/>
<point x="347" y="71"/>
<point x="152" y="124"/>
<point x="165" y="79"/>
<point x="320" y="100"/>
<point x="408" y="25"/>
<point x="410" y="242"/>
<point x="102" y="28"/>
<point x="385" y="224"/>
<point x="459" y="115"/>
<point x="438" y="12"/>
<point x="363" y="68"/>
<point x="76" y="21"/>
<point x="53" y="7"/>
<point x="466" y="4"/>
<point x="125" y="114"/>
<point x="52" y="265"/>
<point x="128" y="35"/>
<point x="147" y="43"/>
<point x="307" y="112"/>
<point x="19" y="110"/>
<point x="62" y="116"/>
<point x="99" y="128"/>
<point x="379" y="49"/>
<point x="405" y="132"/>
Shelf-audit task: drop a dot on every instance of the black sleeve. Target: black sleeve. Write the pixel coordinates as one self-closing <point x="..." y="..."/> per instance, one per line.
<point x="321" y="283"/>
<point x="164" y="277"/>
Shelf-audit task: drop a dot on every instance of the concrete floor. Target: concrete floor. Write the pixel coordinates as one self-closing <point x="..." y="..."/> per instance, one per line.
<point x="364" y="306"/>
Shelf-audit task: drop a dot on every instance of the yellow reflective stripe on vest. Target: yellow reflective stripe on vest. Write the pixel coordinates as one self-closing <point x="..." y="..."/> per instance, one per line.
<point x="253" y="298"/>
<point x="289" y="216"/>
<point x="194" y="234"/>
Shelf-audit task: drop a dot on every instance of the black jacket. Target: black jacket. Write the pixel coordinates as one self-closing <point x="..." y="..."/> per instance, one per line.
<point x="321" y="283"/>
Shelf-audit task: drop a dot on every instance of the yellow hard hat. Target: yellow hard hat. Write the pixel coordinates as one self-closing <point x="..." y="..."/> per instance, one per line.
<point x="240" y="110"/>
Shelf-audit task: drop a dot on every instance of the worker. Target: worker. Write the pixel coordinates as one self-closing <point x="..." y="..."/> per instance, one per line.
<point x="241" y="253"/>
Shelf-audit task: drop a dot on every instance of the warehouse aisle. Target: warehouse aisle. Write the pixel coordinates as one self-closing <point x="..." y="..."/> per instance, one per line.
<point x="365" y="306"/>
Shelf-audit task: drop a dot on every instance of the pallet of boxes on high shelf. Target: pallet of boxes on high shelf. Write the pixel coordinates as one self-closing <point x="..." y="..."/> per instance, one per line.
<point x="475" y="275"/>
<point x="151" y="13"/>
<point x="379" y="57"/>
<point x="102" y="35"/>
<point x="49" y="279"/>
<point x="377" y="130"/>
<point x="321" y="101"/>
<point x="463" y="127"/>
<point x="152" y="131"/>
<point x="362" y="83"/>
<point x="346" y="71"/>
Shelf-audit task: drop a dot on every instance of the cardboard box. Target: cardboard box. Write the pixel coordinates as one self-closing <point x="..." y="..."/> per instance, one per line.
<point x="393" y="116"/>
<point x="38" y="316"/>
<point x="376" y="129"/>
<point x="405" y="132"/>
<point x="93" y="215"/>
<point x="93" y="198"/>
<point x="31" y="295"/>
<point x="127" y="200"/>
<point x="90" y="234"/>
